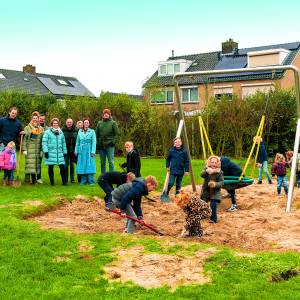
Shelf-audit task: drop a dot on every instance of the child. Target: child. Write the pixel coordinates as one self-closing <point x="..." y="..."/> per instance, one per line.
<point x="128" y="193"/>
<point x="8" y="163"/>
<point x="211" y="188"/>
<point x="178" y="163"/>
<point x="195" y="211"/>
<point x="279" y="169"/>
<point x="133" y="161"/>
<point x="230" y="168"/>
<point x="107" y="180"/>
<point x="262" y="160"/>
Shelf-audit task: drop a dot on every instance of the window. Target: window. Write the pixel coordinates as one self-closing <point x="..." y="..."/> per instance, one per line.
<point x="163" y="69"/>
<point x="176" y="68"/>
<point x="166" y="96"/>
<point x="225" y="91"/>
<point x="251" y="89"/>
<point x="189" y="94"/>
<point x="62" y="81"/>
<point x="2" y="76"/>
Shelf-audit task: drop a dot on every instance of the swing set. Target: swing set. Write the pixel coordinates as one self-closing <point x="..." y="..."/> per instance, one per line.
<point x="260" y="128"/>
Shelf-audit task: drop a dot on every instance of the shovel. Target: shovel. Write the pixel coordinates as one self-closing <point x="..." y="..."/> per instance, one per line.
<point x="164" y="197"/>
<point x="17" y="182"/>
<point x="151" y="227"/>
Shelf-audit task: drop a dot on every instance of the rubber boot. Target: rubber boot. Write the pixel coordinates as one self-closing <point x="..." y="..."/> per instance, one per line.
<point x="4" y="182"/>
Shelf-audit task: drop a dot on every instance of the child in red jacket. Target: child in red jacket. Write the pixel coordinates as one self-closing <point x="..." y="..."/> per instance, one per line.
<point x="8" y="163"/>
<point x="279" y="169"/>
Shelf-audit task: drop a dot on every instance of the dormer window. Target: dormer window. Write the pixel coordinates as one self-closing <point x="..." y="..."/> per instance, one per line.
<point x="2" y="76"/>
<point x="270" y="57"/>
<point x="171" y="67"/>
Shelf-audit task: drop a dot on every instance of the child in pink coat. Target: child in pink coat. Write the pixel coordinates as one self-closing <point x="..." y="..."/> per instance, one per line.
<point x="8" y="163"/>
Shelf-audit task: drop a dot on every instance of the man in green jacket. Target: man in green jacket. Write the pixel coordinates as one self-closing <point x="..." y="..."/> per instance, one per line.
<point x="107" y="133"/>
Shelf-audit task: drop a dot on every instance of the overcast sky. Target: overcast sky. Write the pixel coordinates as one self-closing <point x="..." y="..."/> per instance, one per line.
<point x="114" y="45"/>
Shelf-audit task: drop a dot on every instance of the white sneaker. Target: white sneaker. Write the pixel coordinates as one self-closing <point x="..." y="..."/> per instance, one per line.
<point x="40" y="181"/>
<point x="233" y="208"/>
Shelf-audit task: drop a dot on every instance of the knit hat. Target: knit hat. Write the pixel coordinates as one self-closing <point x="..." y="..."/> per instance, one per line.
<point x="106" y="111"/>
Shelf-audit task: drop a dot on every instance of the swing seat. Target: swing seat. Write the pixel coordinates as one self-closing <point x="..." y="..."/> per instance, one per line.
<point x="234" y="182"/>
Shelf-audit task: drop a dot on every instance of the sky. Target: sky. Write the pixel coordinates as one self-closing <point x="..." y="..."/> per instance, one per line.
<point x="115" y="45"/>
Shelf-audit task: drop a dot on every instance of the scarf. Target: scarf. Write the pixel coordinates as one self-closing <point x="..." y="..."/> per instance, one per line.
<point x="35" y="128"/>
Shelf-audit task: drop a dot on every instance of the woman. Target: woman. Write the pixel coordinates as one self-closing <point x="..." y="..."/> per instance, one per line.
<point x="32" y="148"/>
<point x="85" y="151"/>
<point x="55" y="150"/>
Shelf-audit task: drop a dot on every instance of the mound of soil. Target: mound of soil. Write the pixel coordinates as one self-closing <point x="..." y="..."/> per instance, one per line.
<point x="260" y="223"/>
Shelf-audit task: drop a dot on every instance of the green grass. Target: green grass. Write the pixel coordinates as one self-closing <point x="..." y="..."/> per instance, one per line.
<point x="30" y="265"/>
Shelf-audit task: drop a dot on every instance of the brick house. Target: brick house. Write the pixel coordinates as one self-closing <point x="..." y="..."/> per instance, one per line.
<point x="195" y="91"/>
<point x="41" y="84"/>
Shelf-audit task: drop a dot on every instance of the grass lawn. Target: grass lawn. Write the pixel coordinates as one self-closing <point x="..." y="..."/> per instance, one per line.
<point x="30" y="267"/>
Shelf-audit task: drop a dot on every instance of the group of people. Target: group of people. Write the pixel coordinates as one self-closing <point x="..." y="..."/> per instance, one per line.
<point x="72" y="145"/>
<point x="76" y="146"/>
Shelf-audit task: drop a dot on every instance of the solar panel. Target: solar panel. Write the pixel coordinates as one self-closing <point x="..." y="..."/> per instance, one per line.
<point x="232" y="62"/>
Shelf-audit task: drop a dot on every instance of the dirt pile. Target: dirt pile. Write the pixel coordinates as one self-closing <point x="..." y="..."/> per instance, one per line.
<point x="260" y="223"/>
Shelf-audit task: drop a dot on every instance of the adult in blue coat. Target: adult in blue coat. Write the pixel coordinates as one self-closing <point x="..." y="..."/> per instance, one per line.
<point x="85" y="150"/>
<point x="178" y="163"/>
<point x="262" y="161"/>
<point x="55" y="150"/>
<point x="10" y="128"/>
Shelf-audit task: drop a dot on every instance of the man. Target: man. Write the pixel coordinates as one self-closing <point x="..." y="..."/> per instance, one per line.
<point x="10" y="128"/>
<point x="43" y="121"/>
<point x="107" y="133"/>
<point x="70" y="134"/>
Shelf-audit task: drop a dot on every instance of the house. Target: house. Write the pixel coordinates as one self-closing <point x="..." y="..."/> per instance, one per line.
<point x="40" y="84"/>
<point x="195" y="91"/>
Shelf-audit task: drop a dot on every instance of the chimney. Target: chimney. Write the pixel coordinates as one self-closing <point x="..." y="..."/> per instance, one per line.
<point x="172" y="53"/>
<point x="29" y="69"/>
<point x="229" y="46"/>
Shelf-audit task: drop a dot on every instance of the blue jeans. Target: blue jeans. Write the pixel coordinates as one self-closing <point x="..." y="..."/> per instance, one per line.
<point x="282" y="181"/>
<point x="109" y="152"/>
<point x="213" y="207"/>
<point x="129" y="225"/>
<point x="172" y="181"/>
<point x="9" y="174"/>
<point x="264" y="166"/>
<point x="87" y="178"/>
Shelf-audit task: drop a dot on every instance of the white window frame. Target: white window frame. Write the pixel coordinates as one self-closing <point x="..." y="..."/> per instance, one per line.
<point x="165" y="97"/>
<point x="189" y="88"/>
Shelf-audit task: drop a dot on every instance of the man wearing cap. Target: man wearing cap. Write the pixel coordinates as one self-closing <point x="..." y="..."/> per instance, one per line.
<point x="107" y="133"/>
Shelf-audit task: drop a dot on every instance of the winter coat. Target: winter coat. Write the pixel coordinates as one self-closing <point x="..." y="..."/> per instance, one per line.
<point x="8" y="159"/>
<point x="107" y="133"/>
<point x="230" y="168"/>
<point x="55" y="145"/>
<point x="208" y="193"/>
<point x="85" y="147"/>
<point x="134" y="194"/>
<point x="9" y="130"/>
<point x="179" y="161"/>
<point x="32" y="143"/>
<point x="113" y="178"/>
<point x="262" y="153"/>
<point x="121" y="190"/>
<point x="133" y="163"/>
<point x="70" y="137"/>
<point x="279" y="169"/>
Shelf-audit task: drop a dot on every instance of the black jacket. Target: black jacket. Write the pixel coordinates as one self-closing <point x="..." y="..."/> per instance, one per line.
<point x="230" y="168"/>
<point x="113" y="178"/>
<point x="179" y="161"/>
<point x="9" y="130"/>
<point x="133" y="163"/>
<point x="70" y="137"/>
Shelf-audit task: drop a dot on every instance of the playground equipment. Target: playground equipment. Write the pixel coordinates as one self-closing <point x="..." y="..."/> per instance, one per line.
<point x="164" y="196"/>
<point x="245" y="70"/>
<point x="230" y="182"/>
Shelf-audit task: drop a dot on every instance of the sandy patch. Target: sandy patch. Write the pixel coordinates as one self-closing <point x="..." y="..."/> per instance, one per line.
<point x="33" y="202"/>
<point x="260" y="223"/>
<point x="155" y="270"/>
